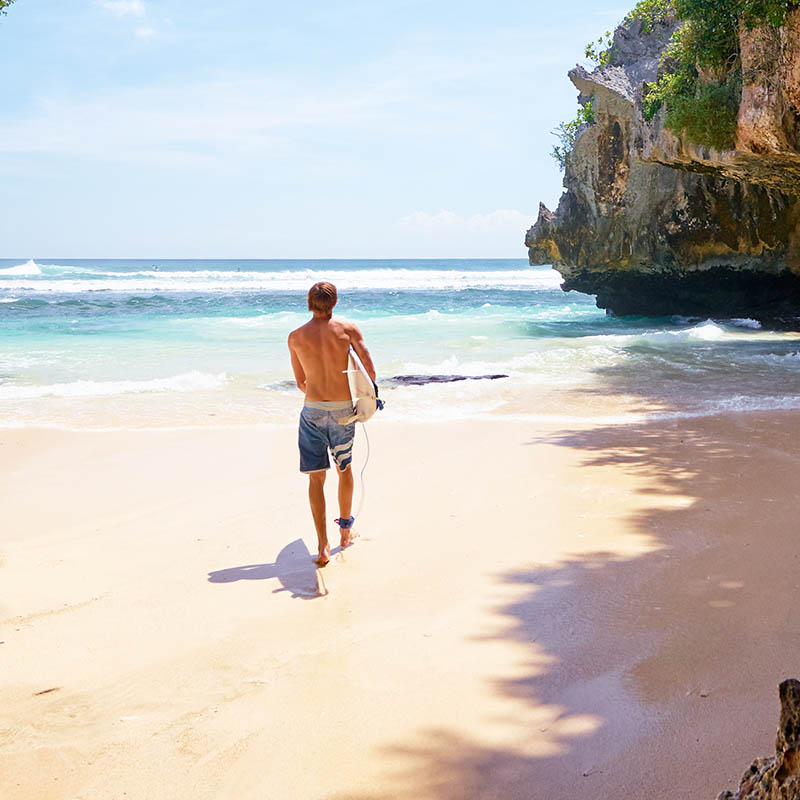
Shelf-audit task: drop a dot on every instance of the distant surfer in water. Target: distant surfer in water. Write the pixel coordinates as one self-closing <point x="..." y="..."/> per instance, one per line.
<point x="319" y="351"/>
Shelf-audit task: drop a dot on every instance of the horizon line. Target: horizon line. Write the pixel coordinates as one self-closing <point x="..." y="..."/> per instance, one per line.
<point x="270" y="258"/>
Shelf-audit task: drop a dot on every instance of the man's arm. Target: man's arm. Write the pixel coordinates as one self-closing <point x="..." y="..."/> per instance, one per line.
<point x="357" y="340"/>
<point x="297" y="367"/>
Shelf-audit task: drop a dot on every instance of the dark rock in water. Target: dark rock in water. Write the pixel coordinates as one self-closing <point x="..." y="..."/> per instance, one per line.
<point x="421" y="380"/>
<point x="772" y="299"/>
<point x="280" y="386"/>
<point x="653" y="224"/>
<point x="777" y="777"/>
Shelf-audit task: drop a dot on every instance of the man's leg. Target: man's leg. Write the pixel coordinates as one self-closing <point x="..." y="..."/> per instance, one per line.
<point x="345" y="502"/>
<point x="316" y="499"/>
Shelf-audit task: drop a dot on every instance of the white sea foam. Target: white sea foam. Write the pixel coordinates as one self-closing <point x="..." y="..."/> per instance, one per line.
<point x="10" y="424"/>
<point x="280" y="320"/>
<point x="48" y="279"/>
<point x="707" y="331"/>
<point x="9" y="299"/>
<point x="790" y="360"/>
<point x="746" y="323"/>
<point x="29" y="268"/>
<point x="560" y="361"/>
<point x="744" y="403"/>
<point x="186" y="382"/>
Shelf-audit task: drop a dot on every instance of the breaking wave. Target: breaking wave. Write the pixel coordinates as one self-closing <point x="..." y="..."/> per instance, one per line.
<point x="187" y="382"/>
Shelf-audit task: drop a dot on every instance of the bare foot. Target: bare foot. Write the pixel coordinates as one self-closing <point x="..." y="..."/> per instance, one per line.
<point x="348" y="537"/>
<point x="324" y="557"/>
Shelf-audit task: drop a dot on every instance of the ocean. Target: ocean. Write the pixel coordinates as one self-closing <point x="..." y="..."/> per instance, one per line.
<point x="110" y="344"/>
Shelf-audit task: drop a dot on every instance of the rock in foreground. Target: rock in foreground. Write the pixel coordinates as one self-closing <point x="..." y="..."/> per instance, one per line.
<point x="778" y="777"/>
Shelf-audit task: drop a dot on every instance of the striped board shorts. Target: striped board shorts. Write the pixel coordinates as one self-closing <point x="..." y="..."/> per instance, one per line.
<point x="320" y="432"/>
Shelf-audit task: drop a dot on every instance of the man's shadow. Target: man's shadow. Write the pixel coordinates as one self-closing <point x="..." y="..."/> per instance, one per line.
<point x="293" y="567"/>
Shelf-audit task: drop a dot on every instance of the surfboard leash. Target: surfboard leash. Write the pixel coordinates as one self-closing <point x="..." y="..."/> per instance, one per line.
<point x="366" y="461"/>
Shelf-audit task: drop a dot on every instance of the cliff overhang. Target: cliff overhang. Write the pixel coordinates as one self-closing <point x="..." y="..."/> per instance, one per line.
<point x="652" y="224"/>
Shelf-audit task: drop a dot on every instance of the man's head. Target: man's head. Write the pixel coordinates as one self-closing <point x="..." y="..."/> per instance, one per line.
<point x="322" y="297"/>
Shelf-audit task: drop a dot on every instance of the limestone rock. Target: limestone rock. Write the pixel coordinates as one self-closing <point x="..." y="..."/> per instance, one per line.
<point x="777" y="777"/>
<point x="652" y="224"/>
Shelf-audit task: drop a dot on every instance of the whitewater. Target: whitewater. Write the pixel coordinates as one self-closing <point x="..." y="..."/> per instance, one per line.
<point x="155" y="343"/>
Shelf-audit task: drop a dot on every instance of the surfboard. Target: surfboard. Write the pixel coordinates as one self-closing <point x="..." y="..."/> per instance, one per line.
<point x="362" y="390"/>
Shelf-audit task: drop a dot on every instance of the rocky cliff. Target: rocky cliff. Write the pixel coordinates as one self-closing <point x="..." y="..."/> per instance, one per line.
<point x="776" y="777"/>
<point x="654" y="225"/>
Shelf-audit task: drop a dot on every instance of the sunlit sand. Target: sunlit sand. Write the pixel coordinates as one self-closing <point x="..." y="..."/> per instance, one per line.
<point x="568" y="610"/>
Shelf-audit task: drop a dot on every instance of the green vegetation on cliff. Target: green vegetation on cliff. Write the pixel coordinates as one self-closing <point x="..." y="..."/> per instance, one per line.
<point x="700" y="77"/>
<point x="600" y="51"/>
<point x="704" y="111"/>
<point x="4" y="4"/>
<point x="567" y="133"/>
<point x="701" y="73"/>
<point x="650" y="12"/>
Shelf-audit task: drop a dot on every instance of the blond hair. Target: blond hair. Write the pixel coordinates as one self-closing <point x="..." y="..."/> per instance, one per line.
<point x="322" y="297"/>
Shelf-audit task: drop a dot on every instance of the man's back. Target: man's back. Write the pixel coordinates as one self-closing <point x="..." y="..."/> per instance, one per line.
<point x="321" y="347"/>
<point x="319" y="351"/>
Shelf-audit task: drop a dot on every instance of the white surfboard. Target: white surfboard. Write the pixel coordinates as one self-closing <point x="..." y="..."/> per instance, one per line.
<point x="362" y="390"/>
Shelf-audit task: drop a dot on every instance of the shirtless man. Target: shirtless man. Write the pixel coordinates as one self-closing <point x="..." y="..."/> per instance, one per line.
<point x="319" y="351"/>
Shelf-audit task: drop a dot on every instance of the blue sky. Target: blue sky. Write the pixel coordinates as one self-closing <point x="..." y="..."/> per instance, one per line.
<point x="244" y="129"/>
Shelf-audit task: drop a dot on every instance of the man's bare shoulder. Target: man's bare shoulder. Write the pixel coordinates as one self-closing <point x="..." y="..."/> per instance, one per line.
<point x="346" y="326"/>
<point x="297" y="333"/>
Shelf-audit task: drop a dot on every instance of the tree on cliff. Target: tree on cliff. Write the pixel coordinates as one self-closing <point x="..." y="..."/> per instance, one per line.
<point x="4" y="4"/>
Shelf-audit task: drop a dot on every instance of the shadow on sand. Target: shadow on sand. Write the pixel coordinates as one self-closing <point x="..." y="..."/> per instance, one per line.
<point x="293" y="567"/>
<point x="641" y="644"/>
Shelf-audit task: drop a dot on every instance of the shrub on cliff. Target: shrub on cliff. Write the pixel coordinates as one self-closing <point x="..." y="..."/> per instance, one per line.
<point x="650" y="13"/>
<point x="700" y="80"/>
<point x="708" y="117"/>
<point x="703" y="111"/>
<point x="567" y="133"/>
<point x="700" y="77"/>
<point x="600" y="51"/>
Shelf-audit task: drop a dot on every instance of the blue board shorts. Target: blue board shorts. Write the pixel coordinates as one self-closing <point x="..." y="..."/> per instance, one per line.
<point x="320" y="431"/>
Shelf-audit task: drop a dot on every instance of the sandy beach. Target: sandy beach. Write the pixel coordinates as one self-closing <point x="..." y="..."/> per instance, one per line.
<point x="530" y="611"/>
<point x="572" y="274"/>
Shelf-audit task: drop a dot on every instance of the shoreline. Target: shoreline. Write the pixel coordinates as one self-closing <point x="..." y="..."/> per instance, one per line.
<point x="622" y="419"/>
<point x="531" y="610"/>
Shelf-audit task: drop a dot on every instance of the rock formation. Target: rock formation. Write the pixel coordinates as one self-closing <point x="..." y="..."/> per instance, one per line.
<point x="777" y="777"/>
<point x="654" y="225"/>
<point x="422" y="380"/>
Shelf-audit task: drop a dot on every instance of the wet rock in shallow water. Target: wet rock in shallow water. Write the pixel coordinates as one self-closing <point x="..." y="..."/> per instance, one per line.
<point x="421" y="380"/>
<point x="773" y="300"/>
<point x="778" y="777"/>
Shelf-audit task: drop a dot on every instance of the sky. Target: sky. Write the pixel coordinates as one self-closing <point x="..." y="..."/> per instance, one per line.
<point x="257" y="129"/>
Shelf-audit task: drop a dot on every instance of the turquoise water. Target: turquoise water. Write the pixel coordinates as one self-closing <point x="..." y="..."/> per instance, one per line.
<point x="132" y="343"/>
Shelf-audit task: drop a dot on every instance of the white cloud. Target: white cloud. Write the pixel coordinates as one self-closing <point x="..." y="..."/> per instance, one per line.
<point x="214" y="122"/>
<point x="123" y="8"/>
<point x="415" y="89"/>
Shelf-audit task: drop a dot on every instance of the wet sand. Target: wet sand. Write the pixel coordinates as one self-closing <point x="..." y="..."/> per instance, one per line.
<point x="529" y="612"/>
